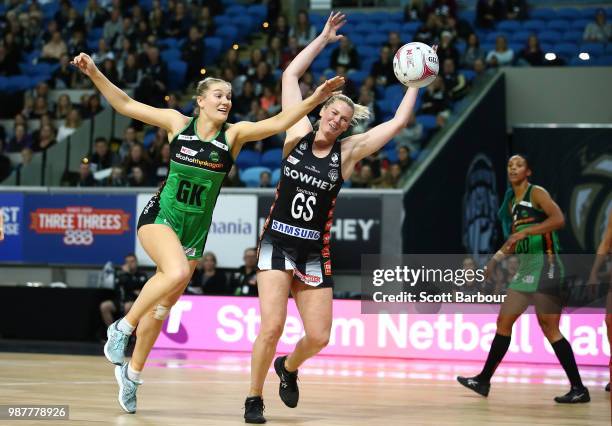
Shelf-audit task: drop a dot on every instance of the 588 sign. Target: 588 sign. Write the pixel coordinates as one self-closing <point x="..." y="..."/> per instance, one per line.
<point x="78" y="237"/>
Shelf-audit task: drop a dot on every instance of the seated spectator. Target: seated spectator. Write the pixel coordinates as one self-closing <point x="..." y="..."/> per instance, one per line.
<point x="532" y="54"/>
<point x="488" y="13"/>
<point x="391" y="177"/>
<point x="70" y="125"/>
<point x="480" y="68"/>
<point x="242" y="103"/>
<point x="263" y="78"/>
<point x="274" y="55"/>
<point x="307" y="84"/>
<point x="382" y="70"/>
<point x="403" y="158"/>
<point x="40" y="107"/>
<point x="244" y="281"/>
<point x="93" y="106"/>
<point x="172" y="102"/>
<point x="454" y="82"/>
<point x="232" y="179"/>
<point x="137" y="158"/>
<point x="231" y="60"/>
<point x="73" y="23"/>
<point x="364" y="178"/>
<point x="129" y="140"/>
<point x="472" y="52"/>
<point x="54" y="49"/>
<point x="102" y="157"/>
<point x="95" y="16"/>
<point x="502" y="55"/>
<point x="516" y="10"/>
<point x="63" y="76"/>
<point x="269" y="101"/>
<point x="160" y="139"/>
<point x="77" y="44"/>
<point x="161" y="165"/>
<point x="415" y="11"/>
<point x="110" y="71"/>
<point x="366" y="99"/>
<point x="153" y="86"/>
<point x="128" y="283"/>
<point x="447" y="49"/>
<point x="45" y="139"/>
<point x="349" y="88"/>
<point x="435" y="99"/>
<point x="20" y="139"/>
<point x="206" y="23"/>
<point x="429" y="31"/>
<point x="290" y="52"/>
<point x="131" y="74"/>
<point x="303" y="31"/>
<point x="345" y="55"/>
<point x="279" y="29"/>
<point x="394" y="42"/>
<point x="117" y="178"/>
<point x="256" y="58"/>
<point x="113" y="27"/>
<point x="192" y="53"/>
<point x="265" y="180"/>
<point x="411" y="135"/>
<point x="103" y="53"/>
<point x="157" y="21"/>
<point x="137" y="177"/>
<point x="86" y="178"/>
<point x="207" y="279"/>
<point x="444" y="8"/>
<point x="26" y="156"/>
<point x="600" y="30"/>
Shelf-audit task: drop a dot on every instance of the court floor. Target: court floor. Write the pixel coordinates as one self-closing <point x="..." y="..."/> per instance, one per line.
<point x="208" y="388"/>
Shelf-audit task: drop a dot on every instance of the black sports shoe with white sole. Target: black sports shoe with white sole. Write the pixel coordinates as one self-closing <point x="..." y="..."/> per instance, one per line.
<point x="288" y="389"/>
<point x="574" y="396"/>
<point x="475" y="384"/>
<point x="253" y="410"/>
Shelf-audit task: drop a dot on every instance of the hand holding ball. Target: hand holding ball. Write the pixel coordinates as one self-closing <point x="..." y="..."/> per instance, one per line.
<point x="415" y="65"/>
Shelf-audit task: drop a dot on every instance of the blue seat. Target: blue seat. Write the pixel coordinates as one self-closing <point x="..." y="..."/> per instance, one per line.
<point x="589" y="13"/>
<point x="461" y="45"/>
<point x="170" y="55"/>
<point x="558" y="25"/>
<point x="566" y="50"/>
<point x="543" y="13"/>
<point x="367" y="52"/>
<point x="387" y="27"/>
<point x="250" y="175"/>
<point x="244" y="25"/>
<point x="248" y="158"/>
<point x="148" y="139"/>
<point x="376" y="39"/>
<point x="382" y="17"/>
<point x="221" y="20"/>
<point x="358" y="40"/>
<point x="572" y="36"/>
<point x="568" y="13"/>
<point x="427" y="121"/>
<point x="468" y="15"/>
<point x="406" y="36"/>
<point x="516" y="47"/>
<point x="520" y="36"/>
<point x="411" y="27"/>
<point x="170" y="43"/>
<point x="593" y="49"/>
<point x="176" y="75"/>
<point x="366" y="28"/>
<point x="509" y="26"/>
<point x="212" y="49"/>
<point x="468" y="74"/>
<point x="579" y="24"/>
<point x="550" y="37"/>
<point x="577" y="62"/>
<point x="95" y="33"/>
<point x="492" y="37"/>
<point x="275" y="177"/>
<point x="534" y="25"/>
<point x="257" y="10"/>
<point x="236" y="10"/>
<point x="228" y="35"/>
<point x="272" y="158"/>
<point x="604" y="61"/>
<point x="320" y="64"/>
<point x="487" y="47"/>
<point x="358" y="77"/>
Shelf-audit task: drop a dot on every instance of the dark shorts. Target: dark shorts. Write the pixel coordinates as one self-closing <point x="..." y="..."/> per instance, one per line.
<point x="308" y="268"/>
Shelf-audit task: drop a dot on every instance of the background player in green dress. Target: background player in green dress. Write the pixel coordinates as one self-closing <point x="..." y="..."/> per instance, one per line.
<point x="174" y="225"/>
<point x="534" y="219"/>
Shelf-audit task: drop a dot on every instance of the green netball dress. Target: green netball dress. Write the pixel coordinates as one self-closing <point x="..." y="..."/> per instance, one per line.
<point x="186" y="200"/>
<point x="540" y="268"/>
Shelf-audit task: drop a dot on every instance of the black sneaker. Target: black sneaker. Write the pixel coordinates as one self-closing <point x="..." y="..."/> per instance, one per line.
<point x="574" y="396"/>
<point x="253" y="410"/>
<point x="475" y="384"/>
<point x="608" y="387"/>
<point x="288" y="389"/>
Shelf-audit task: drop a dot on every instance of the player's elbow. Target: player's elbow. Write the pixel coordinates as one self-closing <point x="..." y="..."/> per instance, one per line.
<point x="560" y="221"/>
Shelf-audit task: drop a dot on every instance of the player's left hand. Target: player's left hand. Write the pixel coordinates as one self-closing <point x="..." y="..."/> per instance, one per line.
<point x="512" y="240"/>
<point x="327" y="89"/>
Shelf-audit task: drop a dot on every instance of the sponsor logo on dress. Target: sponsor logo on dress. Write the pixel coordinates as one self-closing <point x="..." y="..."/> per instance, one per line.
<point x="325" y="251"/>
<point x="307" y="178"/>
<point x="187" y="138"/>
<point x="187" y="151"/>
<point x="189" y="251"/>
<point x="214" y="157"/>
<point x="308" y="279"/>
<point x="312" y="169"/>
<point x="303" y="146"/>
<point x="327" y="266"/>
<point x="333" y="175"/>
<point x="334" y="157"/>
<point x="295" y="231"/>
<point x="293" y="160"/>
<point x="220" y="145"/>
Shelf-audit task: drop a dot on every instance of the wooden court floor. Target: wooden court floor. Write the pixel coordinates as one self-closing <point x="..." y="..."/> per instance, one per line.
<point x="209" y="389"/>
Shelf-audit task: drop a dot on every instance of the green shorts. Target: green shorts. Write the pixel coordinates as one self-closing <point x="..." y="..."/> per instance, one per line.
<point x="191" y="228"/>
<point x="539" y="273"/>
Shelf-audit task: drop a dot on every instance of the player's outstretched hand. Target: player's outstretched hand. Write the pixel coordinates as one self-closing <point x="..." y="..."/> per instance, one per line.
<point x="335" y="21"/>
<point x="84" y="63"/>
<point x="327" y="89"/>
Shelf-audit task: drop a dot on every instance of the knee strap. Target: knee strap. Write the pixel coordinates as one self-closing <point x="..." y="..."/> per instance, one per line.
<point x="161" y="312"/>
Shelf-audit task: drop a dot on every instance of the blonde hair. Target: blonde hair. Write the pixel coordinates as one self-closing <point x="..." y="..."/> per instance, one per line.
<point x="205" y="84"/>
<point x="360" y="112"/>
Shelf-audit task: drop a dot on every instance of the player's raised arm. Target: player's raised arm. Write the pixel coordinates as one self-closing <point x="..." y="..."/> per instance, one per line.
<point x="168" y="119"/>
<point x="246" y="131"/>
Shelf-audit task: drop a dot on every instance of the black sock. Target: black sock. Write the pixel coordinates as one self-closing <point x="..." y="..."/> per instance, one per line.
<point x="499" y="347"/>
<point x="565" y="354"/>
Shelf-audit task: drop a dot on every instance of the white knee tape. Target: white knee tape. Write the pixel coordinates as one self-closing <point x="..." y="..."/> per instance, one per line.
<point x="161" y="312"/>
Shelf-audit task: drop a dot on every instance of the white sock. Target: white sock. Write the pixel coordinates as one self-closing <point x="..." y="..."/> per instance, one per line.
<point x="125" y="327"/>
<point x="133" y="375"/>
